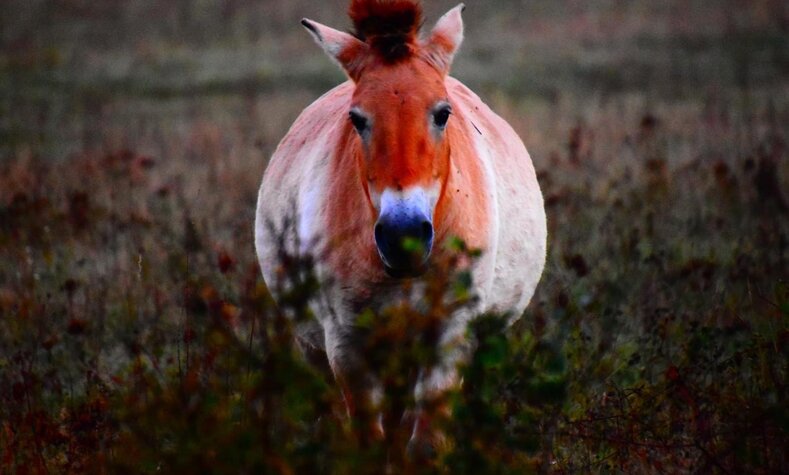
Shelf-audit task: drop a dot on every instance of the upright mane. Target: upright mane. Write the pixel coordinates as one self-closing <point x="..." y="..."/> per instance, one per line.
<point x="390" y="27"/>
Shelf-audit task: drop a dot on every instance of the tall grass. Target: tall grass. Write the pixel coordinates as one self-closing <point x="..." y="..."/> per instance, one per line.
<point x="136" y="334"/>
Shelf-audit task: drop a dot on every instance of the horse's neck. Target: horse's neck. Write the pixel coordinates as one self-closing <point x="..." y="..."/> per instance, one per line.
<point x="349" y="218"/>
<point x="463" y="209"/>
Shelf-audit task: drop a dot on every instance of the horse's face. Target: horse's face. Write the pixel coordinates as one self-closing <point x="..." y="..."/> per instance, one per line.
<point x="400" y="112"/>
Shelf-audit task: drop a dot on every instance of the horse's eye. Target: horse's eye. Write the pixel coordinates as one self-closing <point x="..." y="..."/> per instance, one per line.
<point x="441" y="116"/>
<point x="359" y="121"/>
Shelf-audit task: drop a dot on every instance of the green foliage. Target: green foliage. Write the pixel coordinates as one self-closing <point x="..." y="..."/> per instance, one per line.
<point x="136" y="335"/>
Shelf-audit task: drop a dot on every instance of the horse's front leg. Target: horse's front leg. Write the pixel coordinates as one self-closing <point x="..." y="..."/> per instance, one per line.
<point x="360" y="388"/>
<point x="431" y="396"/>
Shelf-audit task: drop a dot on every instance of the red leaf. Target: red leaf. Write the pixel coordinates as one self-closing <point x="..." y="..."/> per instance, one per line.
<point x="225" y="262"/>
<point x="77" y="326"/>
<point x="672" y="373"/>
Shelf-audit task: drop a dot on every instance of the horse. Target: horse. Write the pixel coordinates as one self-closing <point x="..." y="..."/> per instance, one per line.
<point x="379" y="173"/>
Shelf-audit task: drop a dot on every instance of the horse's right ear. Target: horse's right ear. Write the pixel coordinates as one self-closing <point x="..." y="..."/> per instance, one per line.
<point x="348" y="51"/>
<point x="445" y="39"/>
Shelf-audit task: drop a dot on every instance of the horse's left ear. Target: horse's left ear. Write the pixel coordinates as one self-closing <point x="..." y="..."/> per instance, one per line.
<point x="445" y="39"/>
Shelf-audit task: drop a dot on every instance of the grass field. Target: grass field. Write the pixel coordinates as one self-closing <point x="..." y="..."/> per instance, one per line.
<point x="136" y="334"/>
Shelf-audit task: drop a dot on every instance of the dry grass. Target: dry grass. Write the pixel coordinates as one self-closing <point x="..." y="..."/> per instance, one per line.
<point x="135" y="331"/>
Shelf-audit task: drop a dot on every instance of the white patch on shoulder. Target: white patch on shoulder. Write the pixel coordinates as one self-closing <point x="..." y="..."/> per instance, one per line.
<point x="310" y="206"/>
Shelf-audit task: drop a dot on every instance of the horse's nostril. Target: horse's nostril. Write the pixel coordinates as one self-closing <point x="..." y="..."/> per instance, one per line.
<point x="379" y="231"/>
<point x="427" y="231"/>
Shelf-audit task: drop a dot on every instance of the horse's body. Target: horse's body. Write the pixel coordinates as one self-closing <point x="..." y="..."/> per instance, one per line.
<point x="492" y="198"/>
<point x="341" y="185"/>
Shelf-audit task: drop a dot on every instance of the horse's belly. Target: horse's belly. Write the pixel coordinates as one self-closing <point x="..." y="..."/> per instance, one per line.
<point x="520" y="253"/>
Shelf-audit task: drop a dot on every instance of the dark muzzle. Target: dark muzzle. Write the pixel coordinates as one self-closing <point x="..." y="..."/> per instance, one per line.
<point x="404" y="242"/>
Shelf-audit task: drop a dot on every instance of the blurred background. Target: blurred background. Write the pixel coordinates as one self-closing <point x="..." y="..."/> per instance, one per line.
<point x="133" y="138"/>
<point x="81" y="74"/>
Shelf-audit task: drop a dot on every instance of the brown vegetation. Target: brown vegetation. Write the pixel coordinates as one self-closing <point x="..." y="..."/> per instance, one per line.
<point x="137" y="336"/>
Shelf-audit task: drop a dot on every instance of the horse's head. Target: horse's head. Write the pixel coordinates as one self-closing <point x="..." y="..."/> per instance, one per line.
<point x="400" y="114"/>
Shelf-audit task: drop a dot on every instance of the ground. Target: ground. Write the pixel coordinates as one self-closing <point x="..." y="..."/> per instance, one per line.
<point x="136" y="333"/>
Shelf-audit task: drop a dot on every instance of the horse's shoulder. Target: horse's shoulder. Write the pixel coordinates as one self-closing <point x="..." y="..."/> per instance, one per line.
<point x="317" y="123"/>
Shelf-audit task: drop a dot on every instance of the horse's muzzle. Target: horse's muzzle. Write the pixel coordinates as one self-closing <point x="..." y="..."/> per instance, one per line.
<point x="404" y="240"/>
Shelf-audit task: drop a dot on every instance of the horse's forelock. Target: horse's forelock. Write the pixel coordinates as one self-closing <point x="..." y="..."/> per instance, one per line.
<point x="390" y="27"/>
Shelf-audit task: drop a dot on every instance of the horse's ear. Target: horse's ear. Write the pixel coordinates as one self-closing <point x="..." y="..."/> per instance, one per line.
<point x="445" y="39"/>
<point x="345" y="49"/>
